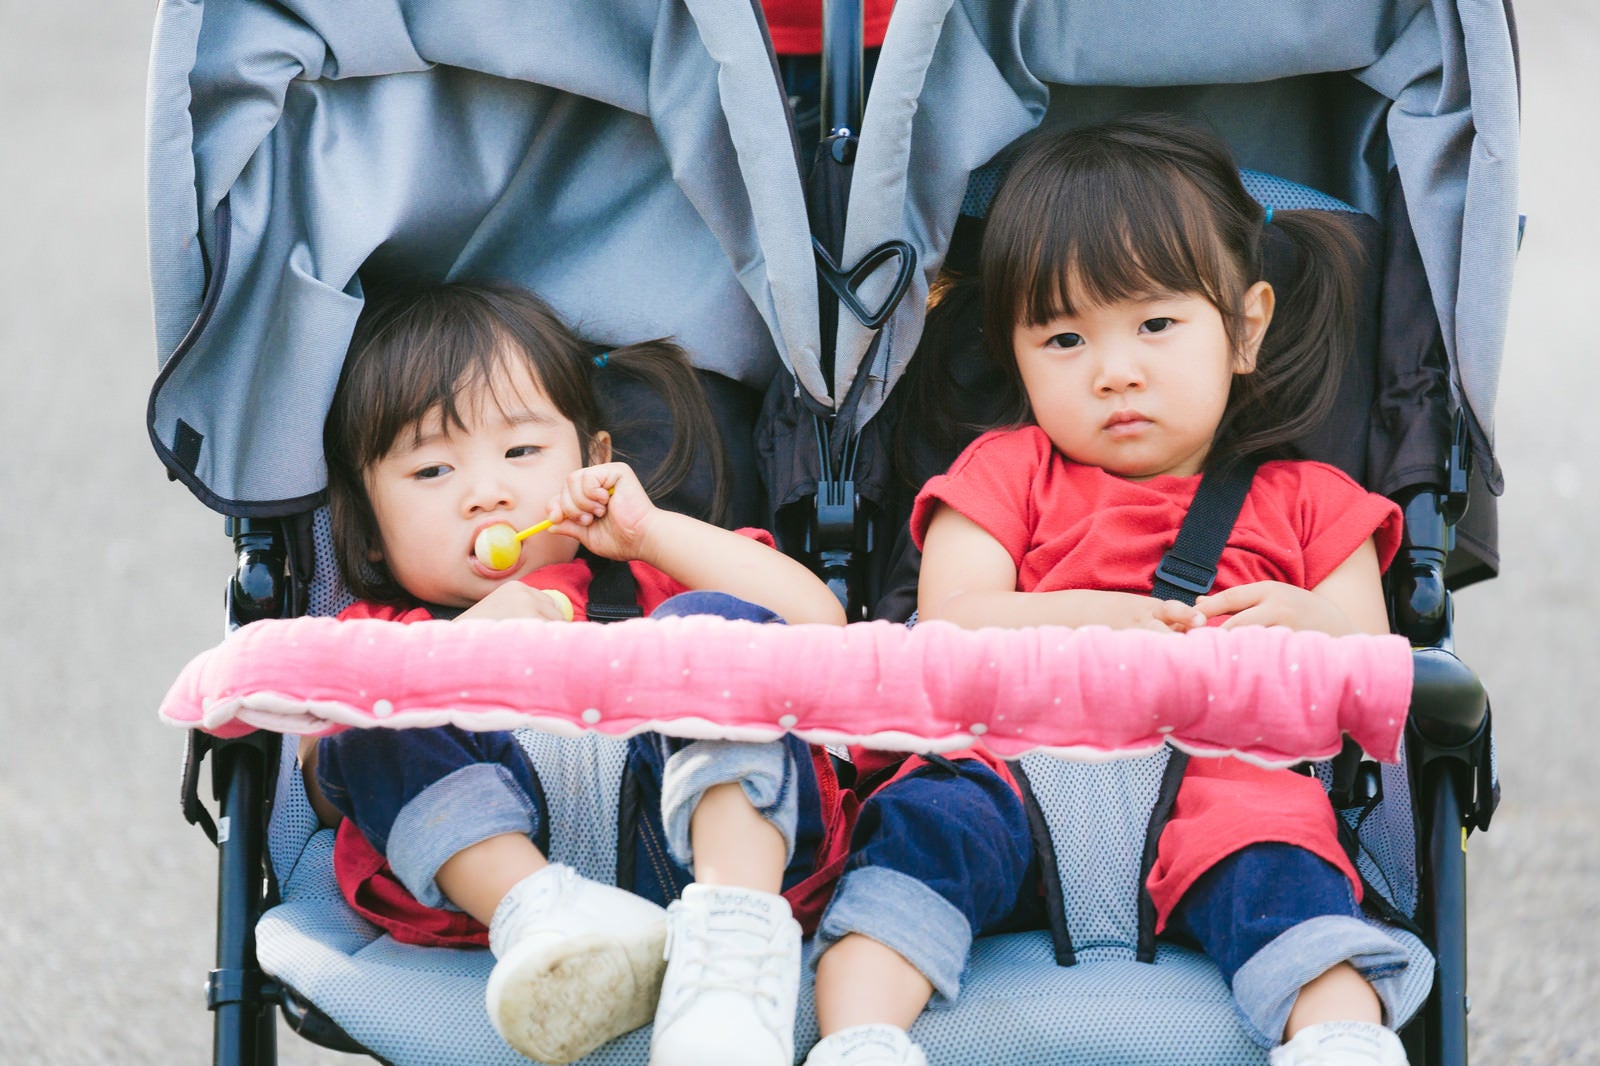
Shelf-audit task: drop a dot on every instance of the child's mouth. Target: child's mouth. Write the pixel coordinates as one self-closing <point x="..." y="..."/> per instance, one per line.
<point x="1126" y="424"/>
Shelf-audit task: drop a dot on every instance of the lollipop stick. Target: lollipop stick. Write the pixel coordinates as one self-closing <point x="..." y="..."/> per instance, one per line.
<point x="540" y="527"/>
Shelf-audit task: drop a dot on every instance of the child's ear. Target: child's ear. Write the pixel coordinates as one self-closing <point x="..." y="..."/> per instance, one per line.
<point x="1259" y="301"/>
<point x="599" y="448"/>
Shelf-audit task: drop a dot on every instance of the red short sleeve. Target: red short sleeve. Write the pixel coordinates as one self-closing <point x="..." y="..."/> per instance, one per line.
<point x="1336" y="516"/>
<point x="992" y="484"/>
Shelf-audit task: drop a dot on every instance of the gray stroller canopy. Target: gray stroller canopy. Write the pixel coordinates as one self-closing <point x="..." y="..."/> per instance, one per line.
<point x="1328" y="95"/>
<point x="630" y="161"/>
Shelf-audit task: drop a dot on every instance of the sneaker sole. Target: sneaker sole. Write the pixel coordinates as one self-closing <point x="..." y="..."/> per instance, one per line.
<point x="556" y="1003"/>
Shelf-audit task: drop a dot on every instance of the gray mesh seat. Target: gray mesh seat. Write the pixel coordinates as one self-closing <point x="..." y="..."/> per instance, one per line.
<point x="410" y="1004"/>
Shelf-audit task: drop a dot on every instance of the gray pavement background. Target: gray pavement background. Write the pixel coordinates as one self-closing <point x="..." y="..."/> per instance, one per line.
<point x="112" y="578"/>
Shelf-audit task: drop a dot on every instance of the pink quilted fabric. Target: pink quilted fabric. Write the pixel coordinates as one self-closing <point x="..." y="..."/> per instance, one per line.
<point x="1273" y="696"/>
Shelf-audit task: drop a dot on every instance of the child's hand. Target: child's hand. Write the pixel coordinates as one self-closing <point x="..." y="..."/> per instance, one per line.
<point x="605" y="509"/>
<point x="516" y="600"/>
<point x="1175" y="616"/>
<point x="1274" y="603"/>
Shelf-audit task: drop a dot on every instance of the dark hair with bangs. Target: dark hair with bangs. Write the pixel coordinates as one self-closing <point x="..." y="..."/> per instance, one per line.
<point x="1149" y="204"/>
<point x="422" y="351"/>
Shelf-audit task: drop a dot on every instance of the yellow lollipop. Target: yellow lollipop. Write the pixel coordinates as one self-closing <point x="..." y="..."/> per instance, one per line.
<point x="563" y="601"/>
<point x="500" y="546"/>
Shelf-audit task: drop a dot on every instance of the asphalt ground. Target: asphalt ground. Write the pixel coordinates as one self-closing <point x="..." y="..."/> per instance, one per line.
<point x="112" y="579"/>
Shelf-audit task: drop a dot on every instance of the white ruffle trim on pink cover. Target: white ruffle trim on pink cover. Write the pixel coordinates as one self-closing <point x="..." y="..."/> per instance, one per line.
<point x="1270" y="695"/>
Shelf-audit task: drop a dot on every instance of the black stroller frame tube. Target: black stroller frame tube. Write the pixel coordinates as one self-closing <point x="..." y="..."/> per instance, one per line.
<point x="842" y="75"/>
<point x="1446" y="888"/>
<point x="1448" y="750"/>
<point x="240" y="996"/>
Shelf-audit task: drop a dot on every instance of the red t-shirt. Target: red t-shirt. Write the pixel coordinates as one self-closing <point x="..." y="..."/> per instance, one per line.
<point x="796" y="25"/>
<point x="1068" y="526"/>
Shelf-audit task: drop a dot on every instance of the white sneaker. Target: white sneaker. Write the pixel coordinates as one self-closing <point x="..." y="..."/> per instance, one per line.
<point x="733" y="976"/>
<point x="579" y="963"/>
<point x="1341" y="1044"/>
<point x="867" y="1045"/>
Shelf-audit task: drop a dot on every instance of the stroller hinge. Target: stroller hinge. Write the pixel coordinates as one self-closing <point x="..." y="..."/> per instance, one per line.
<point x="240" y="986"/>
<point x="260" y="585"/>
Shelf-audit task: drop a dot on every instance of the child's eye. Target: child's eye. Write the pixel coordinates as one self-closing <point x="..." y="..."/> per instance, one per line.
<point x="523" y="450"/>
<point x="1065" y="340"/>
<point x="429" y="472"/>
<point x="1156" y="325"/>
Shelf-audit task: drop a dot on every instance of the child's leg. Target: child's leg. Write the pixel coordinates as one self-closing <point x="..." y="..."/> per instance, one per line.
<point x="455" y="813"/>
<point x="425" y="798"/>
<point x="938" y="858"/>
<point x="1284" y="928"/>
<point x="730" y="812"/>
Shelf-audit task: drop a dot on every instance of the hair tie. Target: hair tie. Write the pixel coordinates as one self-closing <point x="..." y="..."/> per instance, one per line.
<point x="601" y="360"/>
<point x="1267" y="221"/>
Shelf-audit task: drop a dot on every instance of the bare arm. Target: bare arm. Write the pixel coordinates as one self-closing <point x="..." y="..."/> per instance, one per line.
<point x="968" y="578"/>
<point x="1349" y="600"/>
<point x="624" y="524"/>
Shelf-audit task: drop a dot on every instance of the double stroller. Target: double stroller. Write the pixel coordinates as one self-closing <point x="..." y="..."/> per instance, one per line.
<point x="633" y="163"/>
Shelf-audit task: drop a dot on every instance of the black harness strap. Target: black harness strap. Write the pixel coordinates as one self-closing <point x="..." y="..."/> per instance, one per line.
<point x="613" y="592"/>
<point x="1186" y="573"/>
<point x="1189" y="568"/>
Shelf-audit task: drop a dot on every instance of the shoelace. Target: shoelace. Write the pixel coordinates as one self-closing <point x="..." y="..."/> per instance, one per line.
<point x="880" y="1051"/>
<point x="743" y="964"/>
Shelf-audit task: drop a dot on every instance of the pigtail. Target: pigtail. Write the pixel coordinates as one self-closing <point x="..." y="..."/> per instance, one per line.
<point x="1309" y="344"/>
<point x="663" y="369"/>
<point x="953" y="389"/>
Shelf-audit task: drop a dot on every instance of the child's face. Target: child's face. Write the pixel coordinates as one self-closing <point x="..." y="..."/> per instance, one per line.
<point x="434" y="494"/>
<point x="1136" y="387"/>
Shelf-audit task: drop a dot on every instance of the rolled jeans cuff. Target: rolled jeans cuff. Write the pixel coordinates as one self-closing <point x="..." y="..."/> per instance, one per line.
<point x="765" y="771"/>
<point x="463" y="808"/>
<point x="903" y="914"/>
<point x="1267" y="985"/>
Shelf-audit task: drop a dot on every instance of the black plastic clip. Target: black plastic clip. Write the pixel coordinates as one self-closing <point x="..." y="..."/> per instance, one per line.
<point x="845" y="283"/>
<point x="1181" y="573"/>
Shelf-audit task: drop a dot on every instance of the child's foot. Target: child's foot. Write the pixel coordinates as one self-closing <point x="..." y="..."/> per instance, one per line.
<point x="733" y="975"/>
<point x="1341" y="1044"/>
<point x="579" y="963"/>
<point x="867" y="1045"/>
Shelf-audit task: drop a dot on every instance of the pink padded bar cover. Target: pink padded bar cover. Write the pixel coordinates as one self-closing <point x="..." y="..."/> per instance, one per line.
<point x="1270" y="695"/>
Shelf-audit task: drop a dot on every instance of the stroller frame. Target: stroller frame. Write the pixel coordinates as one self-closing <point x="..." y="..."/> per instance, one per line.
<point x="1448" y="732"/>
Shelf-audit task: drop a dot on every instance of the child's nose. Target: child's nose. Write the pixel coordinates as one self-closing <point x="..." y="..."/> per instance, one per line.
<point x="1118" y="373"/>
<point x="489" y="494"/>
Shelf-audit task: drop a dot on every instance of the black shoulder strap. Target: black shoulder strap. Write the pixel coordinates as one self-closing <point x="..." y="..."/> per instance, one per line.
<point x="613" y="592"/>
<point x="1186" y="573"/>
<point x="1189" y="568"/>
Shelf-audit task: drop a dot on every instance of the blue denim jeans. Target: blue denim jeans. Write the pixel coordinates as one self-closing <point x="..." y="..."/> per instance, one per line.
<point x="419" y="796"/>
<point x="1274" y="916"/>
<point x="936" y="857"/>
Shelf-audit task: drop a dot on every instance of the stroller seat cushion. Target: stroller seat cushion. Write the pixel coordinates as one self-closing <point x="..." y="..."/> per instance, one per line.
<point x="1270" y="695"/>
